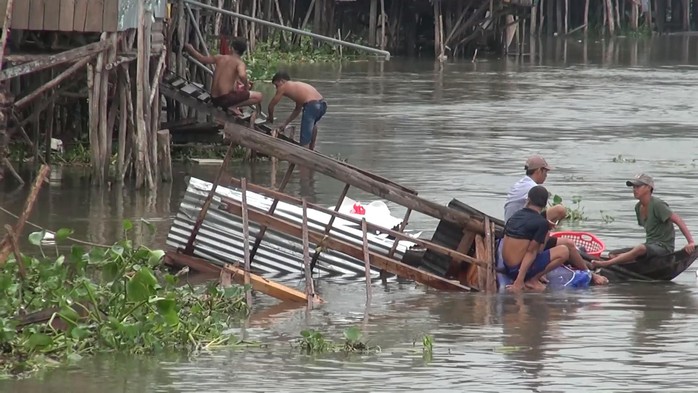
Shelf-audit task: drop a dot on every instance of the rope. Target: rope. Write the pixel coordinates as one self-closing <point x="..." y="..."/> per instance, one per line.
<point x="85" y="242"/>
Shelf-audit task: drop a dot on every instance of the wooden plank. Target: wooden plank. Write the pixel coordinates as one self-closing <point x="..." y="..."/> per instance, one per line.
<point x="476" y="274"/>
<point x="20" y="15"/>
<point x="378" y="261"/>
<point x="3" y="8"/>
<point x="52" y="15"/>
<point x="237" y="275"/>
<point x="36" y="15"/>
<point x="110" y="16"/>
<point x="95" y="13"/>
<point x="53" y="60"/>
<point x="67" y="15"/>
<point x="283" y="150"/>
<point x="80" y="16"/>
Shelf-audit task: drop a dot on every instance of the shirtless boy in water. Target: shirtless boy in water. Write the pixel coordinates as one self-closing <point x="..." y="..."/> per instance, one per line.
<point x="307" y="99"/>
<point x="230" y="88"/>
<point x="526" y="260"/>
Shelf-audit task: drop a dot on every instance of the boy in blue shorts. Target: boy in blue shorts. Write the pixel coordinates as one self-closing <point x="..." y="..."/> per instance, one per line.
<point x="307" y="99"/>
<point x="526" y="260"/>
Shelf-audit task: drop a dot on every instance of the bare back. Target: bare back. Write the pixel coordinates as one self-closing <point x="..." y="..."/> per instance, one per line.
<point x="514" y="250"/>
<point x="227" y="74"/>
<point x="301" y="92"/>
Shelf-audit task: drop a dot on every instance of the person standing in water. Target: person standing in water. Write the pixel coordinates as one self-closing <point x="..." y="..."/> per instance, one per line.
<point x="307" y="99"/>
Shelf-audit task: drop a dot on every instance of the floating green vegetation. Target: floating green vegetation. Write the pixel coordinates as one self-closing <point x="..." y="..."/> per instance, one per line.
<point x="575" y="212"/>
<point x="606" y="218"/>
<point x="314" y="342"/>
<point x="620" y="159"/>
<point x="60" y="308"/>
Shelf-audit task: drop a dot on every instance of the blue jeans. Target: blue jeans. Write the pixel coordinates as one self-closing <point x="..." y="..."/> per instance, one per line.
<point x="312" y="113"/>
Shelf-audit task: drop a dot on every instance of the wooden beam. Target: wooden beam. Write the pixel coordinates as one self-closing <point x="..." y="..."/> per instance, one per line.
<point x="52" y="83"/>
<point x="378" y="261"/>
<point x="223" y="117"/>
<point x="259" y="283"/>
<point x="7" y="22"/>
<point x="457" y="256"/>
<point x="53" y="60"/>
<point x="301" y="156"/>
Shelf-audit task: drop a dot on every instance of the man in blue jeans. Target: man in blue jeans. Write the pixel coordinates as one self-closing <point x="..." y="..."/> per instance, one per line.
<point x="307" y="99"/>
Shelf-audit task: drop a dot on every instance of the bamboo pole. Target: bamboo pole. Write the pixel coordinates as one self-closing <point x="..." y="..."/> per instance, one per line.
<point x="328" y="227"/>
<point x="372" y="15"/>
<point x="367" y="260"/>
<point x="586" y="16"/>
<point x="26" y="212"/>
<point x="53" y="83"/>
<point x="246" y="242"/>
<point x="123" y="126"/>
<point x="7" y="22"/>
<point x="309" y="290"/>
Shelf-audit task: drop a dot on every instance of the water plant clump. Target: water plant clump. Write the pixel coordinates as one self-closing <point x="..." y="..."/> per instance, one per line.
<point x="575" y="212"/>
<point x="59" y="308"/>
<point x="314" y="342"/>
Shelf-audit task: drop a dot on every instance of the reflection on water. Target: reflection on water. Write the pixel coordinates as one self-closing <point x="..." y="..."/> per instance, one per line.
<point x="461" y="130"/>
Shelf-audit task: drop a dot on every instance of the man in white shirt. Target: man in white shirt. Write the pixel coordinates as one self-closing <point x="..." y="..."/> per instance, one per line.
<point x="536" y="172"/>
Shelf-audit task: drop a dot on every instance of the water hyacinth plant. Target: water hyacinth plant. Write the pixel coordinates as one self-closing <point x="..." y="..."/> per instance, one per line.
<point x="63" y="307"/>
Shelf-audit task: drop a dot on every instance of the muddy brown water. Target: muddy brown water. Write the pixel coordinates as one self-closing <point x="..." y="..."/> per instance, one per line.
<point x="599" y="111"/>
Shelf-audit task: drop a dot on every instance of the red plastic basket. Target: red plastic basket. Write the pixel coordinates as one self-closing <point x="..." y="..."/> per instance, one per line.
<point x="592" y="244"/>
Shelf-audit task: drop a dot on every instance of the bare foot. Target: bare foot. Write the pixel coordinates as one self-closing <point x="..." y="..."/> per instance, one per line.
<point x="235" y="111"/>
<point x="544" y="279"/>
<point x="535" y="285"/>
<point x="598" y="279"/>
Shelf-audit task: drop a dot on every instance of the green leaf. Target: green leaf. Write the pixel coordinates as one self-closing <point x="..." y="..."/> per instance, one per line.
<point x="74" y="357"/>
<point x="78" y="333"/>
<point x="63" y="233"/>
<point x="352" y="334"/>
<point x="117" y="249"/>
<point x="35" y="238"/>
<point x="155" y="257"/>
<point x="69" y="315"/>
<point x="37" y="340"/>
<point x="168" y="310"/>
<point x="557" y="200"/>
<point x="142" y="285"/>
<point x="127" y="225"/>
<point x="110" y="272"/>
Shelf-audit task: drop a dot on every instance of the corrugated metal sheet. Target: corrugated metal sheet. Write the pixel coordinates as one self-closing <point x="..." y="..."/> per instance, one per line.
<point x="128" y="12"/>
<point x="220" y="239"/>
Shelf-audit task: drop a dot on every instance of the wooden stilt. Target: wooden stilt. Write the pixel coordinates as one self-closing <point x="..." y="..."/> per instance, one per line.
<point x="328" y="227"/>
<point x="246" y="242"/>
<point x="309" y="291"/>
<point x="367" y="260"/>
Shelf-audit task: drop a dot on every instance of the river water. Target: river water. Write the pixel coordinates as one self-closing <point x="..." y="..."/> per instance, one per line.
<point x="599" y="111"/>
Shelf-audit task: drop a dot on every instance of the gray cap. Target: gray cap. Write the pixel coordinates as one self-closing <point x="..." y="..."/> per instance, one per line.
<point x="640" y="180"/>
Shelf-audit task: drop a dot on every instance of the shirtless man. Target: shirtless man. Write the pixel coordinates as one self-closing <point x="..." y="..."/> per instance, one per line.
<point x="230" y="88"/>
<point x="526" y="260"/>
<point x="658" y="220"/>
<point x="306" y="98"/>
<point x="536" y="173"/>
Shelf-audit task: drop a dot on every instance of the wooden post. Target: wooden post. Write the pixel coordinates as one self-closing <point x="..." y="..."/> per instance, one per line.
<point x="567" y="16"/>
<point x="367" y="260"/>
<point x="383" y="36"/>
<point x="26" y="211"/>
<point x="309" y="291"/>
<point x="189" y="249"/>
<point x="372" y="22"/>
<point x="534" y="17"/>
<point x="328" y="227"/>
<point x="7" y="22"/>
<point x="246" y="241"/>
<point x="164" y="156"/>
<point x="124" y="90"/>
<point x="586" y="17"/>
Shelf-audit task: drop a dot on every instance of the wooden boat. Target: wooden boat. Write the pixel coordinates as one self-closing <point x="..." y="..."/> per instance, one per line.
<point x="663" y="268"/>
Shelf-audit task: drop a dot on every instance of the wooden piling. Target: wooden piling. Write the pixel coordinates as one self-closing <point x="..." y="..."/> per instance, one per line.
<point x="367" y="260"/>
<point x="5" y="245"/>
<point x="309" y="291"/>
<point x="246" y="242"/>
<point x="164" y="156"/>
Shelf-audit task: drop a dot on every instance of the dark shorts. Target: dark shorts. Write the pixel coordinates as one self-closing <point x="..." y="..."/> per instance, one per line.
<point x="539" y="264"/>
<point x="313" y="111"/>
<point x="231" y="99"/>
<point x="656" y="250"/>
